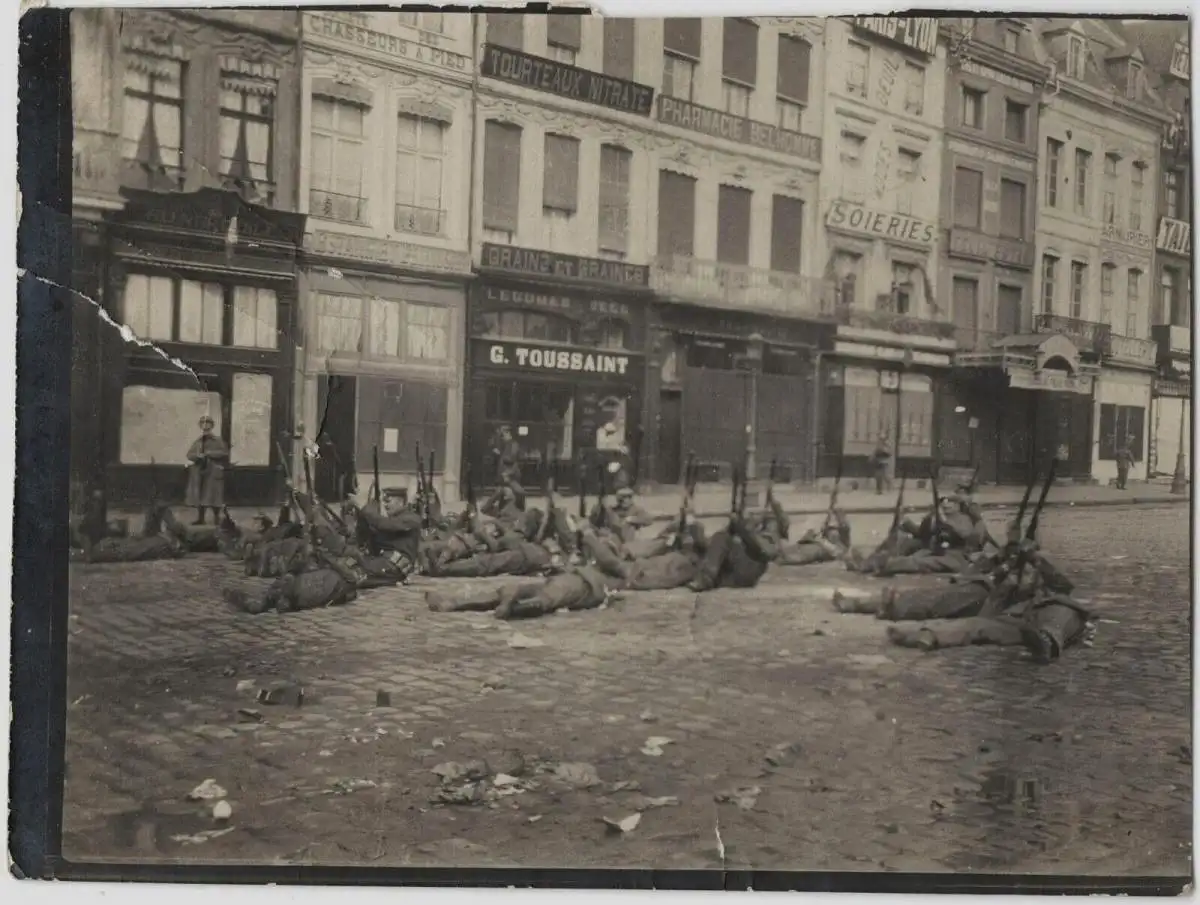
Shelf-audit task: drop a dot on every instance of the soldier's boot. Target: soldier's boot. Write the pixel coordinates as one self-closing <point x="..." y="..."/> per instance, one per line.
<point x="528" y="607"/>
<point x="854" y="603"/>
<point x="887" y="604"/>
<point x="281" y="594"/>
<point x="1049" y="629"/>
<point x="917" y="637"/>
<point x="473" y="601"/>
<point x="701" y="583"/>
<point x="240" y="600"/>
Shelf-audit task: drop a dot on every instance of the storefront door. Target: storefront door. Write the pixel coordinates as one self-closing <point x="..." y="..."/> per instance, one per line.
<point x="337" y="400"/>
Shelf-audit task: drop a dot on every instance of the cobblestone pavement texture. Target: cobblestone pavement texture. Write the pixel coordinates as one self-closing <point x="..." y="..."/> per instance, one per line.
<point x="971" y="759"/>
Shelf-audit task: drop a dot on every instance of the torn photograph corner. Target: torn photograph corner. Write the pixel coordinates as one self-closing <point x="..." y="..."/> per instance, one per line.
<point x="753" y="447"/>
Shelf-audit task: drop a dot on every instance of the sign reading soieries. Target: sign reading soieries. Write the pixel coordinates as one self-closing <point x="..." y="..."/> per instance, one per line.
<point x="526" y="356"/>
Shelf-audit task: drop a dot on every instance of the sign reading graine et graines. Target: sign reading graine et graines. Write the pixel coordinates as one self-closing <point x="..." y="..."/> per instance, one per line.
<point x="566" y="81"/>
<point x="717" y="123"/>
<point x="535" y="262"/>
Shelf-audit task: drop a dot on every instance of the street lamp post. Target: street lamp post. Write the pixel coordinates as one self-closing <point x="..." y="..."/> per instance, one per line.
<point x="1179" y="480"/>
<point x="754" y="358"/>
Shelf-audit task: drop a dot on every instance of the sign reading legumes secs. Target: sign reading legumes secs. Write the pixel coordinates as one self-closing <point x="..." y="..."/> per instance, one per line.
<point x="566" y="81"/>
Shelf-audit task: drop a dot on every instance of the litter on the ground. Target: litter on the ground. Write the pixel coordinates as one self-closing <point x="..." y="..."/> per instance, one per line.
<point x="524" y="641"/>
<point x="654" y="745"/>
<point x="207" y="791"/>
<point x="222" y="810"/>
<point x="202" y="836"/>
<point x="625" y="825"/>
<point x="745" y="797"/>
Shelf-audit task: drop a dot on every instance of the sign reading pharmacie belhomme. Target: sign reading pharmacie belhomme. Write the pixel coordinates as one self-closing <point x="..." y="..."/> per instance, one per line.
<point x="527" y="356"/>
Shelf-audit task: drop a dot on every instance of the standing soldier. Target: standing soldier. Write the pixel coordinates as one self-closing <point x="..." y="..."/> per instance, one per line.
<point x="880" y="458"/>
<point x="1124" y="463"/>
<point x="206" y="473"/>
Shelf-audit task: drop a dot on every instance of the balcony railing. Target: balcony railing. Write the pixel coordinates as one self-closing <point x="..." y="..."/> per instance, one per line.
<point x="332" y="206"/>
<point x="426" y="221"/>
<point x="893" y="321"/>
<point x="1088" y="336"/>
<point x="1133" y="350"/>
<point x="739" y="286"/>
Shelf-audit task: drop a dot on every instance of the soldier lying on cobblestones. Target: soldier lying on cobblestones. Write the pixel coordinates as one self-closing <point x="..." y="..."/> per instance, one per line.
<point x="940" y="544"/>
<point x="738" y="556"/>
<point x="624" y="518"/>
<point x="664" y="569"/>
<point x="155" y="542"/>
<point x="581" y="587"/>
<point x="195" y="538"/>
<point x="317" y="581"/>
<point x="828" y="544"/>
<point x="393" y="533"/>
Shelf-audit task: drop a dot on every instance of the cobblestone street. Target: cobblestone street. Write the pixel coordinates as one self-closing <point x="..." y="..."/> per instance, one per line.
<point x="892" y="759"/>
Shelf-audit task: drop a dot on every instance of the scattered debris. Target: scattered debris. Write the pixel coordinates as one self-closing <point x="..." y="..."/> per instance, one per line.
<point x="324" y="753"/>
<point x="745" y="797"/>
<point x="642" y="803"/>
<point x="783" y="754"/>
<point x="222" y="810"/>
<point x="245" y="685"/>
<point x="654" y="745"/>
<point x="229" y="671"/>
<point x="626" y="825"/>
<point x="468" y="793"/>
<point x="452" y="771"/>
<point x="935" y="806"/>
<point x="510" y="761"/>
<point x="502" y="780"/>
<point x="524" y="641"/>
<point x="246" y="715"/>
<point x="625" y="785"/>
<point x="207" y="791"/>
<point x="346" y="786"/>
<point x="648" y="717"/>
<point x="438" y="743"/>
<point x="1184" y="753"/>
<point x="202" y="836"/>
<point x="383" y="699"/>
<point x="292" y="695"/>
<point x="581" y="776"/>
<point x="535" y="818"/>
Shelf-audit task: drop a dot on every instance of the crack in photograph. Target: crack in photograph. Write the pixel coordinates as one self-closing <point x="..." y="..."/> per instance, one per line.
<point x="557" y="440"/>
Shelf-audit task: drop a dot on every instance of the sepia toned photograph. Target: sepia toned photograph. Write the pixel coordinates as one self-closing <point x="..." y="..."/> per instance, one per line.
<point x="559" y="440"/>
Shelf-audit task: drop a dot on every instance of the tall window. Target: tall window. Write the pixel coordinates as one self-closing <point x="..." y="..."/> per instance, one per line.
<point x="791" y="83"/>
<point x="1137" y="188"/>
<point x="681" y="57"/>
<point x="1108" y="274"/>
<point x="787" y="231"/>
<point x="676" y="214"/>
<point x="1133" y="80"/>
<point x="851" y="153"/>
<point x="619" y="43"/>
<point x="902" y="287"/>
<point x="908" y="170"/>
<point x="739" y="65"/>
<point x="560" y="188"/>
<point x="1008" y="309"/>
<point x="1076" y="57"/>
<point x="1083" y="179"/>
<point x="1049" y="282"/>
<point x="914" y="89"/>
<point x="506" y="30"/>
<point x="1109" y="214"/>
<point x="1172" y="194"/>
<point x="614" y="198"/>
<point x="1078" y="285"/>
<point x="733" y="225"/>
<point x="1012" y="39"/>
<point x="338" y="142"/>
<point x="254" y="314"/>
<point x="847" y="272"/>
<point x="858" y="64"/>
<point x="1165" y="308"/>
<point x="1133" y="298"/>
<point x="247" y="116"/>
<point x="1016" y="120"/>
<point x="971" y="112"/>
<point x="1054" y="149"/>
<point x="501" y="176"/>
<point x="152" y="133"/>
<point x="968" y="197"/>
<point x="965" y="296"/>
<point x="420" y="159"/>
<point x="1012" y="209"/>
<point x="563" y="37"/>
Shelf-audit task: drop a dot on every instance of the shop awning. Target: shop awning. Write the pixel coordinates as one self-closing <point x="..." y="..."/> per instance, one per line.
<point x="1035" y="361"/>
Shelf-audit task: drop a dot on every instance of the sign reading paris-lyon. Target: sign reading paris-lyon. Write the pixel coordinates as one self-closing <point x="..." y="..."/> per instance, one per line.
<point x="530" y="357"/>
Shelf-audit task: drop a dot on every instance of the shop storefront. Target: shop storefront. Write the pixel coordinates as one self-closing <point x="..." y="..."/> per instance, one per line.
<point x="1010" y="409"/>
<point x="207" y="282"/>
<point x="723" y="386"/>
<point x="556" y="366"/>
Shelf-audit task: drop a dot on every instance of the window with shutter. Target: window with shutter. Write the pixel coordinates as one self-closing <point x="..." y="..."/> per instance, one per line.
<point x="739" y="58"/>
<point x="733" y="225"/>
<point x="619" y="43"/>
<point x="501" y="176"/>
<point x="966" y="308"/>
<point x="1012" y="209"/>
<point x="682" y="37"/>
<point x="560" y="189"/>
<point x="676" y="214"/>
<point x="614" y="198"/>
<point x="1008" y="310"/>
<point x="506" y="30"/>
<point x="1083" y="169"/>
<point x="968" y="197"/>
<point x="787" y="223"/>
<point x="563" y="30"/>
<point x="795" y="57"/>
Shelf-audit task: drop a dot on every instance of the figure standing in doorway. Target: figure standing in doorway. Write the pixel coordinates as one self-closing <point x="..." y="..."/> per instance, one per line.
<point x="206" y="473"/>
<point x="1124" y="463"/>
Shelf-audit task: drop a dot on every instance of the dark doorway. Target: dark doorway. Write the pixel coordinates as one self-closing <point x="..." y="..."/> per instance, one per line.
<point x="670" y="425"/>
<point x="337" y="399"/>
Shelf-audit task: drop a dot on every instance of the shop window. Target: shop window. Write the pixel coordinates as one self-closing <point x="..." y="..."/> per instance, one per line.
<point x="619" y="43"/>
<point x="201" y="313"/>
<point x="506" y="30"/>
<point x="1121" y="424"/>
<point x="255" y="312"/>
<point x="158" y="424"/>
<point x="420" y="163"/>
<point x="862" y="411"/>
<point x="337" y="162"/>
<point x="250" y="420"/>
<point x="501" y="176"/>
<point x="529" y="325"/>
<point x="916" y="416"/>
<point x="614" y="334"/>
<point x="152" y="132"/>
<point x="711" y="353"/>
<point x="427" y="330"/>
<point x="339" y="323"/>
<point x="394" y="416"/>
<point x="786" y="362"/>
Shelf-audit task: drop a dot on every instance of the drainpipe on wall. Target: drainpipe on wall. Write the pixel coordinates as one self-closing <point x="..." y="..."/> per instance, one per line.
<point x="815" y="428"/>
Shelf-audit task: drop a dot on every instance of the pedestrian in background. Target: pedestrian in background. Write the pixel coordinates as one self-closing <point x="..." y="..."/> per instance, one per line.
<point x="1124" y="463"/>
<point x="206" y="473"/>
<point x="880" y="459"/>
